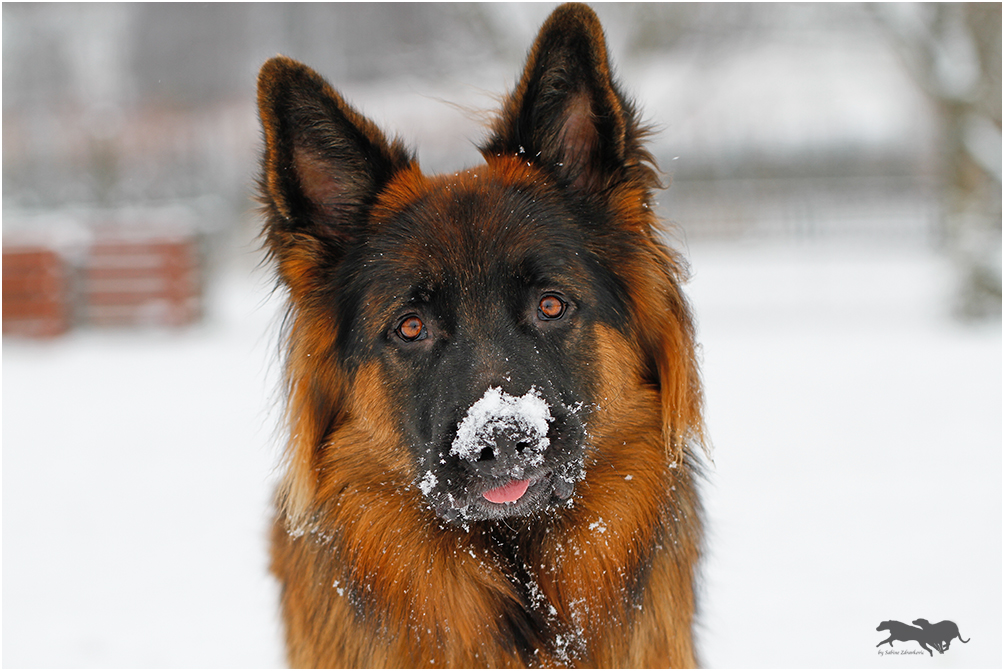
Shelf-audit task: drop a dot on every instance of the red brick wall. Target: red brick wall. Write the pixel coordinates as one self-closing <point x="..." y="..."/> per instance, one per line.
<point x="141" y="282"/>
<point x="36" y="292"/>
<point x="118" y="281"/>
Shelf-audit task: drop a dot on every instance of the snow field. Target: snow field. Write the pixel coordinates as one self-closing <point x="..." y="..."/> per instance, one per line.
<point x="856" y="474"/>
<point x="857" y="456"/>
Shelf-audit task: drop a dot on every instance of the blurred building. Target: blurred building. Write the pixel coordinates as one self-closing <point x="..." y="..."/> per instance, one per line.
<point x="773" y="120"/>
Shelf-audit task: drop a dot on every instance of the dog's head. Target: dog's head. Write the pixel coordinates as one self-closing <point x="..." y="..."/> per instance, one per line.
<point x="470" y="329"/>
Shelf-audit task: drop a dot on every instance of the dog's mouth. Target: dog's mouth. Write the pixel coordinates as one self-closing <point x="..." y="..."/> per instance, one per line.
<point x="511" y="498"/>
<point x="510" y="492"/>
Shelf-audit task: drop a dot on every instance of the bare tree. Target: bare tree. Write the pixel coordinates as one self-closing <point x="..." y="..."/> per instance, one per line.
<point x="954" y="52"/>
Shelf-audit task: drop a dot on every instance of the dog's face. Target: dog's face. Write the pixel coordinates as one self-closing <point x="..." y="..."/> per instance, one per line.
<point x="480" y="300"/>
<point x="465" y="332"/>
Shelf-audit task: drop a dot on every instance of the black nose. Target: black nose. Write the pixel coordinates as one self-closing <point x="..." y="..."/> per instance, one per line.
<point x="503" y="455"/>
<point x="505" y="445"/>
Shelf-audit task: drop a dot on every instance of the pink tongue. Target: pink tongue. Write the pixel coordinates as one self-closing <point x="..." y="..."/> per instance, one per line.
<point x="507" y="493"/>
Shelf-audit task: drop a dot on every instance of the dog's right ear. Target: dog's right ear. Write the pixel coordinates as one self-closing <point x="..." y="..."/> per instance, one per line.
<point x="324" y="162"/>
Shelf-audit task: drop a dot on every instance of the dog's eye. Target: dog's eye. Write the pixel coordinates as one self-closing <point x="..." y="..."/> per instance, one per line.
<point x="411" y="328"/>
<point x="551" y="307"/>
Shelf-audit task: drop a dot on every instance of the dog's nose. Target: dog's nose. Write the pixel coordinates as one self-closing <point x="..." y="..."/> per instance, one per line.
<point x="505" y="453"/>
<point x="504" y="445"/>
<point x="503" y="436"/>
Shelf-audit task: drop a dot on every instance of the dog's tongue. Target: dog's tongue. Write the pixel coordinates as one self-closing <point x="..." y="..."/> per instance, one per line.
<point x="507" y="493"/>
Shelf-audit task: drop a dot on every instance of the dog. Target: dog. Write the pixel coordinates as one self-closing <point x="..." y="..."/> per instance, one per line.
<point x="904" y="632"/>
<point x="941" y="634"/>
<point x="493" y="401"/>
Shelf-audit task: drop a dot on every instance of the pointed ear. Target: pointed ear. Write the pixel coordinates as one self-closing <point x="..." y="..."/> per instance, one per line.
<point x="566" y="113"/>
<point x="324" y="162"/>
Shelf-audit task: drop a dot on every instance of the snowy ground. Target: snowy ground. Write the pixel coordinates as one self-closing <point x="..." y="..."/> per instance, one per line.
<point x="856" y="477"/>
<point x="857" y="456"/>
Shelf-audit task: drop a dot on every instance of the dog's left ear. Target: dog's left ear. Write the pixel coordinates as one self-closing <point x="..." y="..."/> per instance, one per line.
<point x="566" y="114"/>
<point x="324" y="162"/>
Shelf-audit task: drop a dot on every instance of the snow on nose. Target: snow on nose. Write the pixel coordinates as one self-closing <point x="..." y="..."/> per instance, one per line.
<point x="497" y="415"/>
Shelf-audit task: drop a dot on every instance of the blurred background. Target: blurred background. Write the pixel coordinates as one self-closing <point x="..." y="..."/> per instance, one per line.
<point x="835" y="176"/>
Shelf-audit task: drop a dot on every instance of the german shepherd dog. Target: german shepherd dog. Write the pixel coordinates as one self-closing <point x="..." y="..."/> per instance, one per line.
<point x="494" y="406"/>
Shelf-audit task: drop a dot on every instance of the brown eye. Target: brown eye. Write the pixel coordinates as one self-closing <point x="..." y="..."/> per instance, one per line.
<point x="551" y="307"/>
<point x="411" y="328"/>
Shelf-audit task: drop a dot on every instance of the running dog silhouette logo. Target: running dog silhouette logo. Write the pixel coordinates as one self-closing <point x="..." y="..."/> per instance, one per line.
<point x="939" y="636"/>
